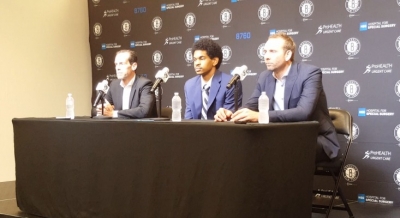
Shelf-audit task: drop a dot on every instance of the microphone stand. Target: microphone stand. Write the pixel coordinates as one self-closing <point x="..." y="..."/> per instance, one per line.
<point x="158" y="104"/>
<point x="95" y="116"/>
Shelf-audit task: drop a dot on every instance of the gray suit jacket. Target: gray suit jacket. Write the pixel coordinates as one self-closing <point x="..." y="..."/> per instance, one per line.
<point x="141" y="100"/>
<point x="305" y="100"/>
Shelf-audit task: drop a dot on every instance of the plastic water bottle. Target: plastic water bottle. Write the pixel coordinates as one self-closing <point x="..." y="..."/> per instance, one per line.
<point x="69" y="103"/>
<point x="176" y="107"/>
<point x="263" y="107"/>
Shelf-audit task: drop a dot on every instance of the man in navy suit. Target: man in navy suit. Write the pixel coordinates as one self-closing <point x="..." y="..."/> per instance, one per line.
<point x="129" y="96"/>
<point x="210" y="84"/>
<point x="296" y="94"/>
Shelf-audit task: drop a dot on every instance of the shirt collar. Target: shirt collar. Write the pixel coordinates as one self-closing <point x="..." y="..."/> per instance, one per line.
<point x="129" y="84"/>
<point x="284" y="75"/>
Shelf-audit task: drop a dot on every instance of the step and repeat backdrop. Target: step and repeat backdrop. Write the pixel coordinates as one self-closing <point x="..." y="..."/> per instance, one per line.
<point x="356" y="43"/>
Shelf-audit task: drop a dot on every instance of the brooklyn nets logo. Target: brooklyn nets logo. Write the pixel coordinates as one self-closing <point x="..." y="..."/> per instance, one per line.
<point x="97" y="29"/>
<point x="397" y="88"/>
<point x="352" y="46"/>
<point x="306" y="8"/>
<point x="398" y="43"/>
<point x="351" y="89"/>
<point x="355" y="132"/>
<point x="190" y="20"/>
<point x="350" y="173"/>
<point x="396" y="176"/>
<point x="226" y="53"/>
<point x="398" y="2"/>
<point x="188" y="56"/>
<point x="397" y="132"/>
<point x="157" y="57"/>
<point x="226" y="16"/>
<point x="96" y="2"/>
<point x="305" y="49"/>
<point x="261" y="51"/>
<point x="126" y="26"/>
<point x="352" y="6"/>
<point x="156" y="23"/>
<point x="99" y="60"/>
<point x="264" y="12"/>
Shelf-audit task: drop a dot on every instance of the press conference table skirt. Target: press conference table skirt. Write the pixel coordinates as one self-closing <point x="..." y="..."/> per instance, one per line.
<point x="127" y="168"/>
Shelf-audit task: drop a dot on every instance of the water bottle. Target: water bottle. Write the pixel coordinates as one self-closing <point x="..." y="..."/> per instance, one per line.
<point x="263" y="107"/>
<point x="176" y="108"/>
<point x="70" y="106"/>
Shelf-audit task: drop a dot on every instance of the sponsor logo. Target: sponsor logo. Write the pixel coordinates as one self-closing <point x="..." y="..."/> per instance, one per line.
<point x="398" y="44"/>
<point x="212" y="37"/>
<point x="397" y="132"/>
<point x="396" y="177"/>
<point x="225" y="17"/>
<point x="105" y="46"/>
<point x="156" y="24"/>
<point x="135" y="44"/>
<point x="364" y="26"/>
<point x="175" y="40"/>
<point x="243" y="35"/>
<point x="378" y="155"/>
<point x="157" y="57"/>
<point x="329" y="28"/>
<point x="306" y="9"/>
<point x="362" y="112"/>
<point x="378" y="68"/>
<point x="361" y="198"/>
<point x="188" y="56"/>
<point x="397" y="88"/>
<point x="176" y="75"/>
<point x="355" y="132"/>
<point x="377" y="199"/>
<point x="207" y="2"/>
<point x="331" y="70"/>
<point x="99" y="60"/>
<point x="264" y="13"/>
<point x="288" y="32"/>
<point x="305" y="49"/>
<point x="111" y="13"/>
<point x="139" y="10"/>
<point x="353" y="6"/>
<point x="352" y="46"/>
<point x="351" y="89"/>
<point x="351" y="173"/>
<point x="97" y="29"/>
<point x="261" y="52"/>
<point x="226" y="53"/>
<point x="190" y="20"/>
<point x="126" y="27"/>
<point x="165" y="7"/>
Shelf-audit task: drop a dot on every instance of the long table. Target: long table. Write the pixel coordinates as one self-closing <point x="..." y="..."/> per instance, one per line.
<point x="127" y="168"/>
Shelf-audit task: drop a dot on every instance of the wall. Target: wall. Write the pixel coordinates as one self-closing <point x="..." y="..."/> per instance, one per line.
<point x="44" y="55"/>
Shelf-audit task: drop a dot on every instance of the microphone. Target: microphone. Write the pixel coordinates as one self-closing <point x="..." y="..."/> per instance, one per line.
<point x="102" y="89"/>
<point x="237" y="73"/>
<point x="161" y="76"/>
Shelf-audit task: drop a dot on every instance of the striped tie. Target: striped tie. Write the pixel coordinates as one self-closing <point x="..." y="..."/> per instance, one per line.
<point x="205" y="102"/>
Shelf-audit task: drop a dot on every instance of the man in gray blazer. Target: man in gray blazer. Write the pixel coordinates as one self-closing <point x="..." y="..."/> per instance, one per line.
<point x="129" y="96"/>
<point x="296" y="94"/>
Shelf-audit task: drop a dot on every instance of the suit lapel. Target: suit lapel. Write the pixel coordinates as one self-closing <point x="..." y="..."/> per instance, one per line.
<point x="133" y="90"/>
<point x="289" y="84"/>
<point x="270" y="89"/>
<point x="215" y="86"/>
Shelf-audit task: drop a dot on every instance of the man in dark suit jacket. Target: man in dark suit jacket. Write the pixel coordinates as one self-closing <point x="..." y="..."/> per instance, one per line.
<point x="296" y="94"/>
<point x="129" y="96"/>
<point x="207" y="58"/>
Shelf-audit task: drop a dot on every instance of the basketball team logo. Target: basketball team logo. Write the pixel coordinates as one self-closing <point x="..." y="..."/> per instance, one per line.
<point x="188" y="56"/>
<point x="96" y="2"/>
<point x="99" y="60"/>
<point x="97" y="29"/>
<point x="225" y="16"/>
<point x="398" y="2"/>
<point x="226" y="53"/>
<point x="352" y="46"/>
<point x="350" y="173"/>
<point x="157" y="57"/>
<point x="190" y="20"/>
<point x="396" y="177"/>
<point x="156" y="23"/>
<point x="126" y="26"/>
<point x="306" y="8"/>
<point x="351" y="89"/>
<point x="397" y="88"/>
<point x="261" y="51"/>
<point x="305" y="49"/>
<point x="355" y="131"/>
<point x="264" y="12"/>
<point x="397" y="132"/>
<point x="398" y="43"/>
<point x="352" y="6"/>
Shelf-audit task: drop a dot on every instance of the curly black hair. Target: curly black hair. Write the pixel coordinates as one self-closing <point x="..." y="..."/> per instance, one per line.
<point x="212" y="48"/>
